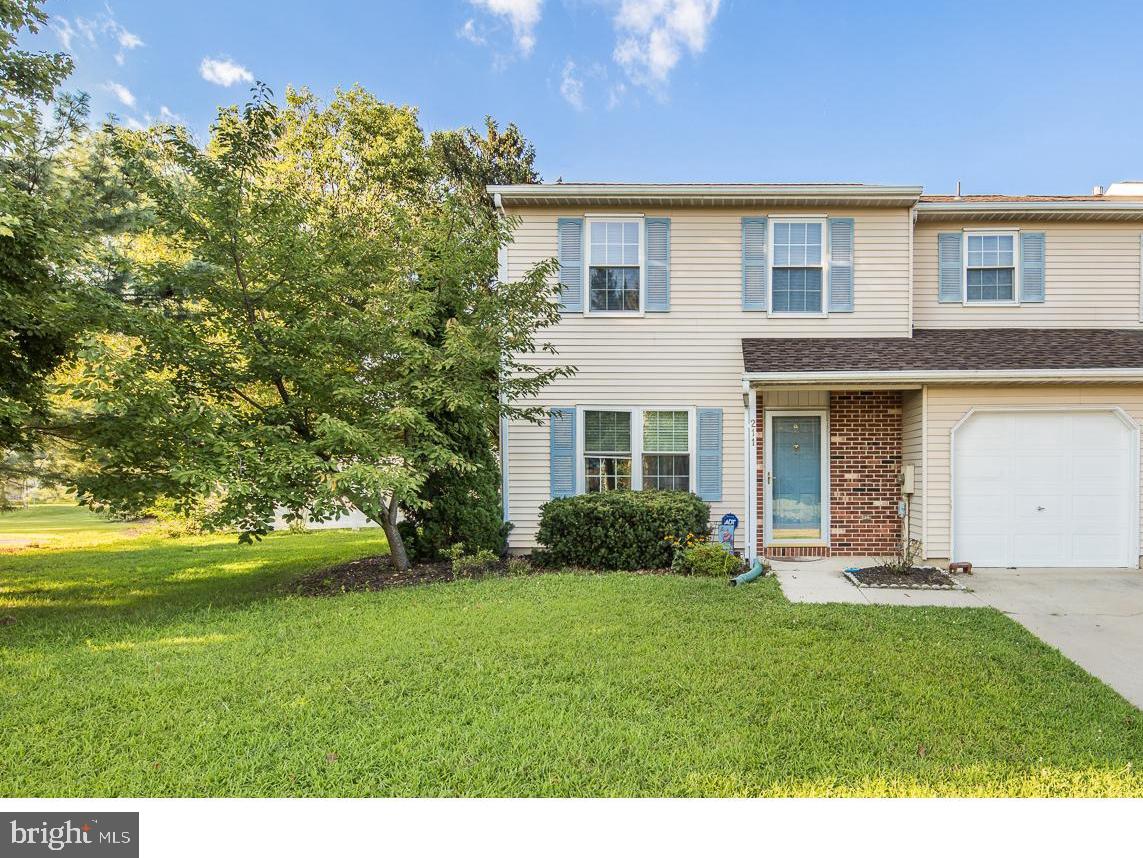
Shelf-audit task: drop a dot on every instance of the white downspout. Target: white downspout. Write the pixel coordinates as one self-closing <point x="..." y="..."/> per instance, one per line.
<point x="502" y="276"/>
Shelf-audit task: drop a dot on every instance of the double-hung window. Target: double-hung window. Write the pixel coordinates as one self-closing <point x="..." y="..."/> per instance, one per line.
<point x="637" y="448"/>
<point x="797" y="272"/>
<point x="990" y="267"/>
<point x="614" y="265"/>
<point x="666" y="450"/>
<point x="607" y="450"/>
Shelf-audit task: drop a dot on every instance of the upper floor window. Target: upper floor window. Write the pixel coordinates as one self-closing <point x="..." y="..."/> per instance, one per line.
<point x="990" y="267"/>
<point x="797" y="271"/>
<point x="614" y="266"/>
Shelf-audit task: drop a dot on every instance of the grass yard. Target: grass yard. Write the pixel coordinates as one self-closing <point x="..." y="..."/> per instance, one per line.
<point x="59" y="524"/>
<point x="157" y="667"/>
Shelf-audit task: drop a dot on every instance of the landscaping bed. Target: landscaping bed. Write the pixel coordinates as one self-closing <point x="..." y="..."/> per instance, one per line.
<point x="916" y="578"/>
<point x="375" y="573"/>
<point x="371" y="574"/>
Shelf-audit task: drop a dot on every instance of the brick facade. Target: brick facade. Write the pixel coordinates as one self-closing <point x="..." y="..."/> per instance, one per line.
<point x="865" y="461"/>
<point x="864" y="466"/>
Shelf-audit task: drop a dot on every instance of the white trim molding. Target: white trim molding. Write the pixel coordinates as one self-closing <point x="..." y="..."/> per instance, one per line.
<point x="920" y="376"/>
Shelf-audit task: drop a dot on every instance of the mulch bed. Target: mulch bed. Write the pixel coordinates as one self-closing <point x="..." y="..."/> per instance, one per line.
<point x="917" y="578"/>
<point x="374" y="573"/>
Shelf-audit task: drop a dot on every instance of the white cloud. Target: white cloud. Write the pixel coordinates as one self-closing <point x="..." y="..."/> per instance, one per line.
<point x="571" y="87"/>
<point x="128" y="40"/>
<point x="121" y="92"/>
<point x="652" y="35"/>
<point x="469" y="33"/>
<point x="523" y="15"/>
<point x="93" y="30"/>
<point x="615" y="95"/>
<point x="224" y="72"/>
<point x="64" y="31"/>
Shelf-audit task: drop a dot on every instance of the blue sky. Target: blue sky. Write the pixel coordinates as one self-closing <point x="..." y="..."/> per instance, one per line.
<point x="1014" y="97"/>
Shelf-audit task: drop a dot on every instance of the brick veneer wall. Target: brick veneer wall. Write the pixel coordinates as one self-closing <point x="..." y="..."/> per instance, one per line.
<point x="865" y="461"/>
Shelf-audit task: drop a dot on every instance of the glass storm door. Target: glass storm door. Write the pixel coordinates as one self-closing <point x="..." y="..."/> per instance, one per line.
<point x="796" y="474"/>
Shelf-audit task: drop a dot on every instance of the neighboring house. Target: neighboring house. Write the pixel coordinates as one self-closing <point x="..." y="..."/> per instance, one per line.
<point x="822" y="359"/>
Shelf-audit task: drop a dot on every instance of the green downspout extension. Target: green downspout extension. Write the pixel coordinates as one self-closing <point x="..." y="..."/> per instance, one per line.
<point x="753" y="574"/>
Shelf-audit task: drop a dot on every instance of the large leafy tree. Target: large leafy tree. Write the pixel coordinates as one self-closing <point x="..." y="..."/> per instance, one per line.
<point x="463" y="505"/>
<point x="284" y="345"/>
<point x="47" y="209"/>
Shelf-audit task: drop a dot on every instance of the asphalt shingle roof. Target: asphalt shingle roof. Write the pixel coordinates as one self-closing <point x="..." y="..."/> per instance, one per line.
<point x="955" y="349"/>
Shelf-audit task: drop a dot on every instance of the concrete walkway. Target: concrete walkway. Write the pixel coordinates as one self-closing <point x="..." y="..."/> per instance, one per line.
<point x="1093" y="616"/>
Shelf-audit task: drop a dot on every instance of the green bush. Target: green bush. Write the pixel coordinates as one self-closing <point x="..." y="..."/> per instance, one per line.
<point x="466" y="565"/>
<point x="707" y="559"/>
<point x="617" y="530"/>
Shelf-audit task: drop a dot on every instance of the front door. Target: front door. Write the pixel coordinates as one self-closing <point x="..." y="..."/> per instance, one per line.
<point x="795" y="447"/>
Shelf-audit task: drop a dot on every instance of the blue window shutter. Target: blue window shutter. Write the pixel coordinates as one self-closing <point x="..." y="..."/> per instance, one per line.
<point x="950" y="262"/>
<point x="754" y="263"/>
<point x="562" y="465"/>
<point x="569" y="233"/>
<point x="708" y="482"/>
<point x="1032" y="267"/>
<point x="841" y="265"/>
<point x="658" y="294"/>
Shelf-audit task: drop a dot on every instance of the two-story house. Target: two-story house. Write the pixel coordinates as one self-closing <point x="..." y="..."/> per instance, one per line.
<point x="833" y="363"/>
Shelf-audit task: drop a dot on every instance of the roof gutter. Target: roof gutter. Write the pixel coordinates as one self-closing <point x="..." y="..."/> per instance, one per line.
<point x="619" y="192"/>
<point x="1063" y="206"/>
<point x="943" y="375"/>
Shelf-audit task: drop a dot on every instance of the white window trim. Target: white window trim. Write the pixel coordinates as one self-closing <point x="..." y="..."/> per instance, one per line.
<point x="636" y="412"/>
<point x="1015" y="301"/>
<point x="768" y="507"/>
<point x="620" y="218"/>
<point x="807" y="314"/>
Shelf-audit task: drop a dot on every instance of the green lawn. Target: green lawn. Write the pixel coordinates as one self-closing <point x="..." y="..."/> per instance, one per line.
<point x="59" y="524"/>
<point x="158" y="667"/>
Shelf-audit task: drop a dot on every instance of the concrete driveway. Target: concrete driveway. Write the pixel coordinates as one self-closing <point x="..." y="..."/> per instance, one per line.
<point x="1093" y="616"/>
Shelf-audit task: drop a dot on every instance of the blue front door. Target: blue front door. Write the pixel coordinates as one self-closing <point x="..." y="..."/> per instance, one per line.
<point x="796" y="471"/>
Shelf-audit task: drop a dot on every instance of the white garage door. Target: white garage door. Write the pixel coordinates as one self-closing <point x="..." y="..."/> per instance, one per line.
<point x="1044" y="488"/>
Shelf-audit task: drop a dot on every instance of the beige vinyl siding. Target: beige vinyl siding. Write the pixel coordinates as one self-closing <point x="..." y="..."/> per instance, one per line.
<point x="947" y="405"/>
<point x="691" y="356"/>
<point x="912" y="453"/>
<point x="1092" y="280"/>
<point x="794" y="398"/>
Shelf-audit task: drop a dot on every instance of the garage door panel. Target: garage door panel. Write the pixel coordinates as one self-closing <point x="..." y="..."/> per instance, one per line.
<point x="984" y="469"/>
<point x="1041" y="470"/>
<point x="983" y="508"/>
<point x="1040" y="432"/>
<point x="1039" y="549"/>
<point x="978" y="544"/>
<point x="1050" y="488"/>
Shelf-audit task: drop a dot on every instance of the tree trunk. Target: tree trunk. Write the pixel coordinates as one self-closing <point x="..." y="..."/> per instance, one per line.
<point x="397" y="554"/>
